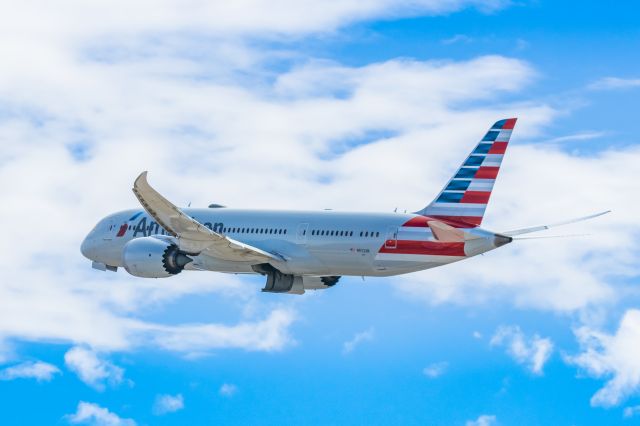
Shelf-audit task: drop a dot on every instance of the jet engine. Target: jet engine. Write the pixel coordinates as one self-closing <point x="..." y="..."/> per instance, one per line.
<point x="151" y="257"/>
<point x="277" y="282"/>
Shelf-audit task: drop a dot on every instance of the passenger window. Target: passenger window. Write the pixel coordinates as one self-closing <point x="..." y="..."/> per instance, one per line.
<point x="361" y="233"/>
<point x="377" y="234"/>
<point x="366" y="234"/>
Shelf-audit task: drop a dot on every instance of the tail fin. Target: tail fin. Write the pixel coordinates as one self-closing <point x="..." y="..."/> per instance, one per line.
<point x="464" y="199"/>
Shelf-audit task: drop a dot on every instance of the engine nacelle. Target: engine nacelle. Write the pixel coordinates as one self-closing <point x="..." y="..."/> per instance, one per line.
<point x="277" y="282"/>
<point x="150" y="257"/>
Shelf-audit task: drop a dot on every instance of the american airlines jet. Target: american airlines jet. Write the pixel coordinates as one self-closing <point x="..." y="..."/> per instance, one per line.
<point x="307" y="250"/>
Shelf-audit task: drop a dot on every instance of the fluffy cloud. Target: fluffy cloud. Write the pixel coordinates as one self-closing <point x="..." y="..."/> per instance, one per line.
<point x="435" y="370"/>
<point x="111" y="99"/>
<point x="532" y="352"/>
<point x="73" y="18"/>
<point x="359" y="338"/>
<point x="614" y="356"/>
<point x="92" y="414"/>
<point x="228" y="390"/>
<point x="41" y="371"/>
<point x="168" y="404"/>
<point x="268" y="335"/>
<point x="483" y="420"/>
<point x="91" y="369"/>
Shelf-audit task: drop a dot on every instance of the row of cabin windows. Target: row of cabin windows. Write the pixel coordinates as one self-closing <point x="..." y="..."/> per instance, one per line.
<point x="323" y="232"/>
<point x="271" y="231"/>
<point x="234" y="230"/>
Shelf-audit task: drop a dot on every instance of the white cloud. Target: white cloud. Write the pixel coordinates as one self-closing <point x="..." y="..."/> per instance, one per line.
<point x="168" y="404"/>
<point x="483" y="420"/>
<point x="435" y="370"/>
<point x="612" y="356"/>
<point x="41" y="371"/>
<point x="631" y="411"/>
<point x="612" y="83"/>
<point x="91" y="369"/>
<point x="269" y="334"/>
<point x="477" y="335"/>
<point x="228" y="390"/>
<point x="92" y="414"/>
<point x="73" y="18"/>
<point x="580" y="136"/>
<point x="532" y="352"/>
<point x="359" y="338"/>
<point x="107" y="88"/>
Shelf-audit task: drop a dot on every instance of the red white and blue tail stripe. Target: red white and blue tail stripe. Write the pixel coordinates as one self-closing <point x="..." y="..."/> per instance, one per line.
<point x="464" y="199"/>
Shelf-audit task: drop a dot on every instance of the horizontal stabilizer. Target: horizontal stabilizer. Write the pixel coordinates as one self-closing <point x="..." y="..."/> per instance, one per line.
<point x="553" y="225"/>
<point x="447" y="233"/>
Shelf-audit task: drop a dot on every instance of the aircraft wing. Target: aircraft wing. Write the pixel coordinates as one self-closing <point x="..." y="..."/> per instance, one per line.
<point x="553" y="225"/>
<point x="192" y="236"/>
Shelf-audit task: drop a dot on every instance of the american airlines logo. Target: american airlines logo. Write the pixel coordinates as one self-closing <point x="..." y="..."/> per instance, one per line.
<point x="146" y="228"/>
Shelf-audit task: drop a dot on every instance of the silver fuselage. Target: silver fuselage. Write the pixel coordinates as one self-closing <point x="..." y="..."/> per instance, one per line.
<point x="318" y="243"/>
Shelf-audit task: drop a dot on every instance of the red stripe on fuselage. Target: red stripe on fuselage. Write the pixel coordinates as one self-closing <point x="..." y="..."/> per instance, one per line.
<point x="426" y="248"/>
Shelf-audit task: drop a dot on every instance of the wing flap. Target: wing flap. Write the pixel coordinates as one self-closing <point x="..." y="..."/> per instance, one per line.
<point x="553" y="225"/>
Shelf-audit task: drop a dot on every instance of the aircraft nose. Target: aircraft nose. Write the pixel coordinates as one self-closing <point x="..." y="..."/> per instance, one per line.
<point x="87" y="248"/>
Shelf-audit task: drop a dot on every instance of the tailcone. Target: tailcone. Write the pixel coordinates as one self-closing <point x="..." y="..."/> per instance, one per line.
<point x="501" y="240"/>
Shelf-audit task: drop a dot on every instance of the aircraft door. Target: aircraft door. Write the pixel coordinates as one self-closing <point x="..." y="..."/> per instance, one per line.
<point x="301" y="235"/>
<point x="392" y="238"/>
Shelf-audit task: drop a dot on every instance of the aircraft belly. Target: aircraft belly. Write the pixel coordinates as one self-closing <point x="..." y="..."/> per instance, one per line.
<point x="209" y="263"/>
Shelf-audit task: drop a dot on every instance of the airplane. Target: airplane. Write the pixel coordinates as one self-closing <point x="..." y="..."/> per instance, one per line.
<point x="308" y="250"/>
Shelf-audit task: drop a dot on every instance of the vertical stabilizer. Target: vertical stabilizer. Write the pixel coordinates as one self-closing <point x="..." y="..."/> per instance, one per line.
<point x="464" y="199"/>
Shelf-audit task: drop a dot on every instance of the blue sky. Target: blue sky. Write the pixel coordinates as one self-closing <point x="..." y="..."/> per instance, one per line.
<point x="367" y="106"/>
